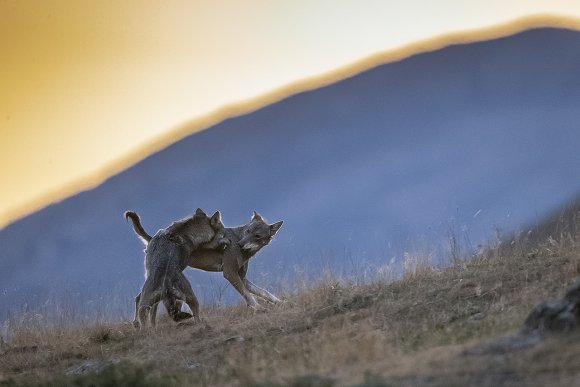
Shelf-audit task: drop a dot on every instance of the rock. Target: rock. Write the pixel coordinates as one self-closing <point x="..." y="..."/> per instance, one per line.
<point x="556" y="316"/>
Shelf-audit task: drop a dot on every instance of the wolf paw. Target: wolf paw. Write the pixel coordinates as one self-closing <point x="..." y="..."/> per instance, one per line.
<point x="188" y="322"/>
<point x="180" y="316"/>
<point x="257" y="308"/>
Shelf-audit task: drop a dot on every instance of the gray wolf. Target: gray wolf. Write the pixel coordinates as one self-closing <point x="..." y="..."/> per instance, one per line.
<point x="165" y="258"/>
<point x="245" y="242"/>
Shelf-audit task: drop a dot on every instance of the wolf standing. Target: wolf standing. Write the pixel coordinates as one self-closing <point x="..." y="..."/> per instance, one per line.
<point x="165" y="259"/>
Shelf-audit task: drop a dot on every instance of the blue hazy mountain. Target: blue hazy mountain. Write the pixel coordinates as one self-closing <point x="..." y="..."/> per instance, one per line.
<point x="463" y="140"/>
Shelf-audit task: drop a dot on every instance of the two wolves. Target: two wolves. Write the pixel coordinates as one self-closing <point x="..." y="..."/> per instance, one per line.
<point x="244" y="242"/>
<point x="165" y="258"/>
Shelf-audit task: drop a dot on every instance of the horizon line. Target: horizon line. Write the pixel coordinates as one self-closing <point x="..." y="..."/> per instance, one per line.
<point x="254" y="103"/>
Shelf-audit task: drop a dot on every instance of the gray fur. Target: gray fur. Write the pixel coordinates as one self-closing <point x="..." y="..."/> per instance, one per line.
<point x="245" y="241"/>
<point x="166" y="257"/>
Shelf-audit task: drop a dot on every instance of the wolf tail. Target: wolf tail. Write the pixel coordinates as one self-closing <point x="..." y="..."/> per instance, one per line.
<point x="139" y="230"/>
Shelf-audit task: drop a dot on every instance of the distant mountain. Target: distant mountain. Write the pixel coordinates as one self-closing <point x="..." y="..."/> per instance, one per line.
<point x="463" y="139"/>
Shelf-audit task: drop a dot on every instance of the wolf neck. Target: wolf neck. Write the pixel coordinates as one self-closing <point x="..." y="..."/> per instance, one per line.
<point x="235" y="234"/>
<point x="247" y="254"/>
<point x="179" y="226"/>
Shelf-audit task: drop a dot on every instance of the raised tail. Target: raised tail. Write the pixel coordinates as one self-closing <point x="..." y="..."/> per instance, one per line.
<point x="139" y="230"/>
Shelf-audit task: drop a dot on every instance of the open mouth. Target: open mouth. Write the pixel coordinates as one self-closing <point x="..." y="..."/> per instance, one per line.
<point x="250" y="246"/>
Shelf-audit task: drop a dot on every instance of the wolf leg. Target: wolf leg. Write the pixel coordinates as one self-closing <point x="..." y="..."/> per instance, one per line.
<point x="143" y="313"/>
<point x="173" y="307"/>
<point x="147" y="301"/>
<point x="185" y="292"/>
<point x="136" y="318"/>
<point x="153" y="314"/>
<point x="234" y="278"/>
<point x="258" y="291"/>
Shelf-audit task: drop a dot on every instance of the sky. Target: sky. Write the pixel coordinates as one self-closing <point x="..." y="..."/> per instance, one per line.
<point x="89" y="88"/>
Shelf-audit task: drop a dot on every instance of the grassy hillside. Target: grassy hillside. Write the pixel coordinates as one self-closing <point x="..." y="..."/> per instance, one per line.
<point x="432" y="327"/>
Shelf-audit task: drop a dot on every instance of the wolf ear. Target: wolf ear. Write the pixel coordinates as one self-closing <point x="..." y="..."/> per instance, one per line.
<point x="257" y="217"/>
<point x="275" y="227"/>
<point x="199" y="212"/>
<point x="216" y="219"/>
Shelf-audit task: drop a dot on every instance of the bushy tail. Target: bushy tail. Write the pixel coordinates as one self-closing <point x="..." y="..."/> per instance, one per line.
<point x="139" y="230"/>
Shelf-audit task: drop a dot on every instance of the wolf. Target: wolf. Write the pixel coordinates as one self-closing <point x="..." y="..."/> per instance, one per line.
<point x="245" y="242"/>
<point x="165" y="258"/>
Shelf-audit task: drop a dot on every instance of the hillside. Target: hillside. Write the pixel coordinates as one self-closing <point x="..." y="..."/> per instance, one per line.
<point x="468" y="138"/>
<point x="433" y="327"/>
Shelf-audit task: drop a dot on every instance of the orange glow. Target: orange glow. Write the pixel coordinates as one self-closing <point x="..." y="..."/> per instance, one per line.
<point x="83" y="98"/>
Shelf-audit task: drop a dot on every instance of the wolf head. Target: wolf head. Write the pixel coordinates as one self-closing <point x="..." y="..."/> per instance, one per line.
<point x="257" y="234"/>
<point x="213" y="226"/>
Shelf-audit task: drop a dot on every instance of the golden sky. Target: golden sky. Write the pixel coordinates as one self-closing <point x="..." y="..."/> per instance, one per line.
<point x="88" y="88"/>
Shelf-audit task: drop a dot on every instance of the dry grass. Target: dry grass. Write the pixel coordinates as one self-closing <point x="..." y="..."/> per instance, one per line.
<point x="419" y="330"/>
